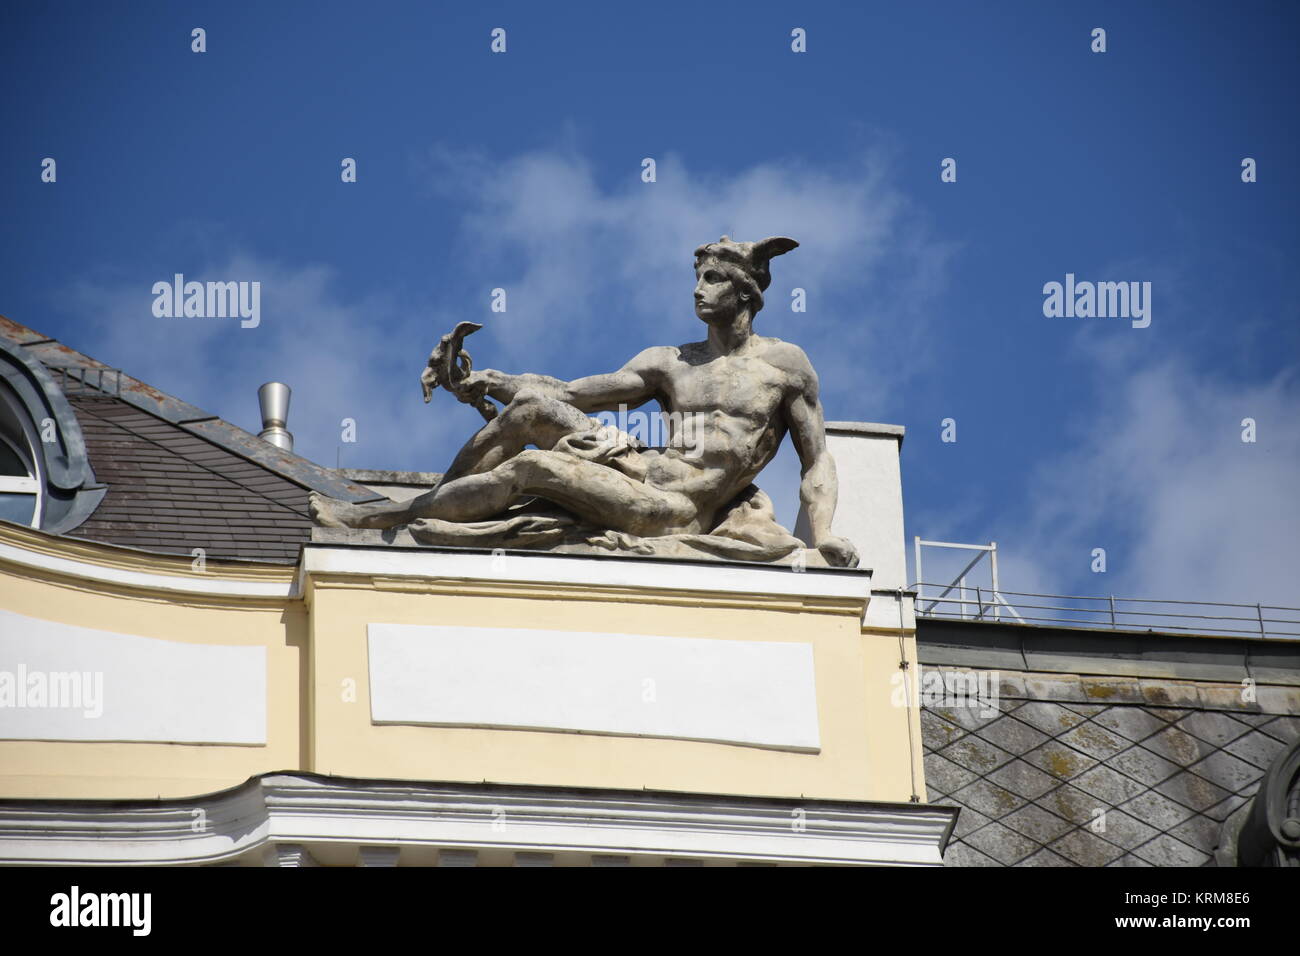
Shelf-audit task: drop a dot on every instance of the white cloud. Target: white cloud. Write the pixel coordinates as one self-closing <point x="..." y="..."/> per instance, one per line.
<point x="335" y="353"/>
<point x="592" y="273"/>
<point x="1160" y="478"/>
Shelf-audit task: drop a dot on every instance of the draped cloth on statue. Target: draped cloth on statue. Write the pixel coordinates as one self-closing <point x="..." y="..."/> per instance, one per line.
<point x="746" y="528"/>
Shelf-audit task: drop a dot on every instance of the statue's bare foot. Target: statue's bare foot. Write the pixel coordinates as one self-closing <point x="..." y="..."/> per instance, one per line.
<point x="839" y="552"/>
<point x="330" y="512"/>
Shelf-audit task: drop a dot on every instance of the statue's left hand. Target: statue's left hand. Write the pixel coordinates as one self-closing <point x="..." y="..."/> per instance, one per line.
<point x="451" y="367"/>
<point x="838" y="552"/>
<point x="470" y="388"/>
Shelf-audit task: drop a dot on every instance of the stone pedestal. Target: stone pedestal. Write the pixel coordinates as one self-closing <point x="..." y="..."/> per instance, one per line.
<point x="559" y="670"/>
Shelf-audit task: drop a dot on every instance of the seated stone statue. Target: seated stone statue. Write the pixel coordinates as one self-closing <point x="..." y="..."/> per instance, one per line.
<point x="584" y="485"/>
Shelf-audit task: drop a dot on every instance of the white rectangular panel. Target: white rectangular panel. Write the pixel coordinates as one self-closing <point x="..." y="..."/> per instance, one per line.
<point x="64" y="682"/>
<point x="759" y="693"/>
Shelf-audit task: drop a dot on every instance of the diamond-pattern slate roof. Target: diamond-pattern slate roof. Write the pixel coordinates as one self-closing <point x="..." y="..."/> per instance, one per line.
<point x="1050" y="778"/>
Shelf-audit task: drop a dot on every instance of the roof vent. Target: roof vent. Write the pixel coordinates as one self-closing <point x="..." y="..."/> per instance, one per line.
<point x="274" y="399"/>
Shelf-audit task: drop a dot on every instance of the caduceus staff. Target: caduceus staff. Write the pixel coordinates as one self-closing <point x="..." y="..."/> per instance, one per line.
<point x="449" y="367"/>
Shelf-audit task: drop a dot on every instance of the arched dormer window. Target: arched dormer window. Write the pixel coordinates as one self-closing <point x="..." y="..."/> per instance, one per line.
<point x="20" y="464"/>
<point x="46" y="481"/>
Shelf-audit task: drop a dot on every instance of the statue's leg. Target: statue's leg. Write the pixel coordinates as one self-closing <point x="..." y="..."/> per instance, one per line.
<point x="531" y="419"/>
<point x="594" y="492"/>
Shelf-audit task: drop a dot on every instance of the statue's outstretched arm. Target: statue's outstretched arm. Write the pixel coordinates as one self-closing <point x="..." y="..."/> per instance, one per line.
<point x="632" y="385"/>
<point x="819" y="485"/>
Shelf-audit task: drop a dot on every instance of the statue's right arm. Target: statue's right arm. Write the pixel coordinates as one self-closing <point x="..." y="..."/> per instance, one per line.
<point x="632" y="385"/>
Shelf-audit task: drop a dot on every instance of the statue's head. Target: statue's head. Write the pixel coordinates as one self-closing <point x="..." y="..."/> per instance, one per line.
<point x="730" y="277"/>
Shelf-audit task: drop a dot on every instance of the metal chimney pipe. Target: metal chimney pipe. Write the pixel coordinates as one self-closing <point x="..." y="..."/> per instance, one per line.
<point x="273" y="397"/>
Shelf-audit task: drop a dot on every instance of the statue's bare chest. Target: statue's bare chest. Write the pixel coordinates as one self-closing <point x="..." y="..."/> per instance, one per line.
<point x="735" y="386"/>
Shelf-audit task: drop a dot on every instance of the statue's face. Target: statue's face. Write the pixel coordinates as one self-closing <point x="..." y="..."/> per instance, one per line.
<point x="716" y="298"/>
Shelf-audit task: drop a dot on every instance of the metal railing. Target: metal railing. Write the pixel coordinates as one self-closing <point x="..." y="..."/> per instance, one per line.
<point x="959" y="582"/>
<point x="957" y="601"/>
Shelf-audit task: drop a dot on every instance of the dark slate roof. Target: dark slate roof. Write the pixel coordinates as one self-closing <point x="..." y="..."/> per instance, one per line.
<point x="178" y="477"/>
<point x="1166" y="760"/>
<point x="169" y="490"/>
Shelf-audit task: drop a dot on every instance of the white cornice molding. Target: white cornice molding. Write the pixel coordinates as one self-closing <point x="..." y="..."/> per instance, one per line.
<point x="614" y="572"/>
<point x="838" y="584"/>
<point x="301" y="811"/>
<point x="210" y="585"/>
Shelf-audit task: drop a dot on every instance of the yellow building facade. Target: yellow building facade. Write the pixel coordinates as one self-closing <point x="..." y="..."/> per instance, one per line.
<point x="573" y="675"/>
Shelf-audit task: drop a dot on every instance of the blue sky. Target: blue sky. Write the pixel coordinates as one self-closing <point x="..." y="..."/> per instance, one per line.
<point x="522" y="171"/>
